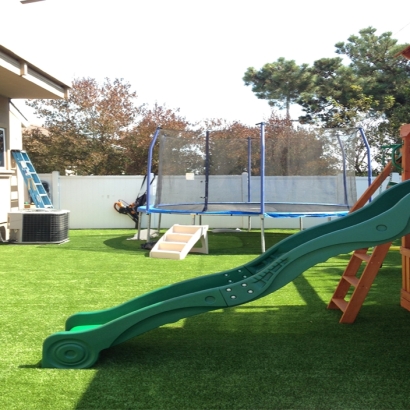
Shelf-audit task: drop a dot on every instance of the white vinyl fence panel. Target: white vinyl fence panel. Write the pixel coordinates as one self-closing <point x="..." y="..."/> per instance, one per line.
<point x="90" y="200"/>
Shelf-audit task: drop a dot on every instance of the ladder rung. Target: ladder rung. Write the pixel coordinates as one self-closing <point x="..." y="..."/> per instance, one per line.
<point x="340" y="303"/>
<point x="353" y="280"/>
<point x="363" y="256"/>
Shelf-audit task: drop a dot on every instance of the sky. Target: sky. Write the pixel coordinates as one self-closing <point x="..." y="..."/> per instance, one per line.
<point x="189" y="55"/>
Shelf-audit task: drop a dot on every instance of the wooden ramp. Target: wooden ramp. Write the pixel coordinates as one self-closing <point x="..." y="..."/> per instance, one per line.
<point x="179" y="240"/>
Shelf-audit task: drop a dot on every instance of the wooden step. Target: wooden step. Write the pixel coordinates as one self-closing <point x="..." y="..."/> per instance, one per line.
<point x="179" y="240"/>
<point x="340" y="304"/>
<point x="171" y="246"/>
<point x="362" y="256"/>
<point x="189" y="229"/>
<point x="353" y="280"/>
<point x="163" y="254"/>
<point x="178" y="237"/>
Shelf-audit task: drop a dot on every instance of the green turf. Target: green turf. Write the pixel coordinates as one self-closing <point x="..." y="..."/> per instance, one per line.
<point x="285" y="351"/>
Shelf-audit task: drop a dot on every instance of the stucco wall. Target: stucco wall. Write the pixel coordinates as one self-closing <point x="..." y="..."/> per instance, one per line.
<point x="4" y="112"/>
<point x="4" y="175"/>
<point x="12" y="189"/>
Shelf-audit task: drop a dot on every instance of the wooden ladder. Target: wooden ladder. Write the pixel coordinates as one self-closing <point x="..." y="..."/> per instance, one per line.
<point x="373" y="260"/>
<point x="360" y="284"/>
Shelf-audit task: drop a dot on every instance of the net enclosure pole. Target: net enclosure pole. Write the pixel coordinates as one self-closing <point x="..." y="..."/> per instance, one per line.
<point x="149" y="169"/>
<point x="262" y="187"/>
<point x="369" y="162"/>
<point x="249" y="167"/>
<point x="206" y="171"/>
<point x="149" y="166"/>
<point x="342" y="149"/>
<point x="249" y="176"/>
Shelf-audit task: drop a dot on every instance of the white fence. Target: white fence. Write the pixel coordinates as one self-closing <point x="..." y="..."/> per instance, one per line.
<point x="90" y="200"/>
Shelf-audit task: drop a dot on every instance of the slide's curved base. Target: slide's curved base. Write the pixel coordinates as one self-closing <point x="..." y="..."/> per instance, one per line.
<point x="87" y="333"/>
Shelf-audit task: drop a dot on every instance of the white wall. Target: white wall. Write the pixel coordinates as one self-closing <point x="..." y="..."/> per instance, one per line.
<point x="90" y="200"/>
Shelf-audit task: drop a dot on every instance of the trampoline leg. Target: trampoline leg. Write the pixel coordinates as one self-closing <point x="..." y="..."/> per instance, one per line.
<point x="200" y="219"/>
<point x="263" y="233"/>
<point x="149" y="228"/>
<point x="159" y="222"/>
<point x="301" y="224"/>
<point x="249" y="224"/>
<point x="139" y="225"/>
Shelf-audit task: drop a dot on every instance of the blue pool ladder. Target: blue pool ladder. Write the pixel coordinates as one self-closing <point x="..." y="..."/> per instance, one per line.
<point x="35" y="187"/>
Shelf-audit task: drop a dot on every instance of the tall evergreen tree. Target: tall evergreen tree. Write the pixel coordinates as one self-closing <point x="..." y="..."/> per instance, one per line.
<point x="280" y="82"/>
<point x="367" y="85"/>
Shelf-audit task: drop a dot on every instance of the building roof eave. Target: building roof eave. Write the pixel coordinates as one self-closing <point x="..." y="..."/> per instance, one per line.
<point x="21" y="79"/>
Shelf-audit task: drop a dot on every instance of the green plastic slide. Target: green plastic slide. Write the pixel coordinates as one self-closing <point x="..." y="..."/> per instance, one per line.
<point x="87" y="333"/>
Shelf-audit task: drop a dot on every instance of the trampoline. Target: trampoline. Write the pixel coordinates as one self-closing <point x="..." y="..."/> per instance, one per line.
<point x="273" y="210"/>
<point x="277" y="172"/>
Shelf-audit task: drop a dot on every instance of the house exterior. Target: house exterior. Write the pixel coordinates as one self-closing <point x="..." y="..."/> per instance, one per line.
<point x="19" y="79"/>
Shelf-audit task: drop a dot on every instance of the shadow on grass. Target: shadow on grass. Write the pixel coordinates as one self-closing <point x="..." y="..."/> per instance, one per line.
<point x="123" y="244"/>
<point x="31" y="366"/>
<point x="260" y="357"/>
<point x="219" y="244"/>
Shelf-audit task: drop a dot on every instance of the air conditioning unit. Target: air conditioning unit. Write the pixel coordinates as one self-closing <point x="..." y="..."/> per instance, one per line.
<point x="38" y="226"/>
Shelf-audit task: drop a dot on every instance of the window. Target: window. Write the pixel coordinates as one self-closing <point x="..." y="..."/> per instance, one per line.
<point x="2" y="147"/>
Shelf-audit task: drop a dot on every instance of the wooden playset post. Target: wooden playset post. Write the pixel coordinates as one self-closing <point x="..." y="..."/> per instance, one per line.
<point x="405" y="243"/>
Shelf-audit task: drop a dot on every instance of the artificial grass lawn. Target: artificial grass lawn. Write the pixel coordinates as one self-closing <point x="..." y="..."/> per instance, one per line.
<point x="285" y="351"/>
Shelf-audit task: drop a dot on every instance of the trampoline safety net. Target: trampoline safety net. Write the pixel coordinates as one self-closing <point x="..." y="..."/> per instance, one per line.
<point x="305" y="172"/>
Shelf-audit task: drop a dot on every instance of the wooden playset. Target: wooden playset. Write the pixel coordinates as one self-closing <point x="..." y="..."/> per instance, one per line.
<point x="374" y="257"/>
